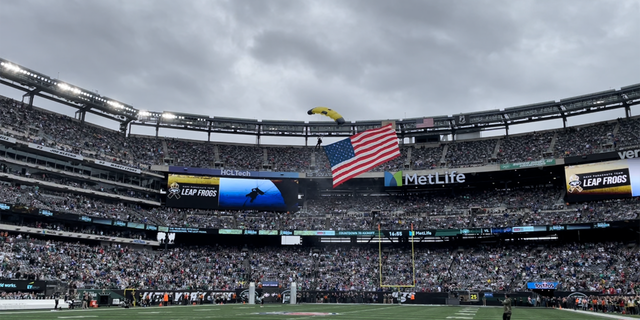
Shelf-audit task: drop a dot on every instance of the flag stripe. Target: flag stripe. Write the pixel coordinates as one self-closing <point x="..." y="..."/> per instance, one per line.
<point x="371" y="148"/>
<point x="366" y="167"/>
<point x="365" y="153"/>
<point x="363" y="157"/>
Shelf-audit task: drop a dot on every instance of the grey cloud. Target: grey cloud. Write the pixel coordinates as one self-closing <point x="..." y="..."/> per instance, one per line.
<point x="371" y="59"/>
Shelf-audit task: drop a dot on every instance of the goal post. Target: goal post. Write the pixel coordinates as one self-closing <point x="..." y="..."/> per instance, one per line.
<point x="130" y="294"/>
<point x="413" y="262"/>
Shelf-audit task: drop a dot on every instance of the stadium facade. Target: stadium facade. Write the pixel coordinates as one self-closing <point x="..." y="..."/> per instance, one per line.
<point x="67" y="180"/>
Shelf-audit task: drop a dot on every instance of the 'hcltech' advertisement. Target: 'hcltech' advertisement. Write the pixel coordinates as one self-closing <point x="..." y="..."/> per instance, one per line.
<point x="603" y="180"/>
<point x="206" y="192"/>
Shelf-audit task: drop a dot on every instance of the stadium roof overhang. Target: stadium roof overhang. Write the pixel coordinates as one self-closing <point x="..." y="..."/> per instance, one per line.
<point x="39" y="84"/>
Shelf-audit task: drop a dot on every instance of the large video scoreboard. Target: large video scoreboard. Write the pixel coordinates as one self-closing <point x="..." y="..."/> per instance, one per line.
<point x="207" y="192"/>
<point x="603" y="180"/>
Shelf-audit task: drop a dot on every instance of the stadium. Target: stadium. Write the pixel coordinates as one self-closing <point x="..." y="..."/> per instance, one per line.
<point x="99" y="218"/>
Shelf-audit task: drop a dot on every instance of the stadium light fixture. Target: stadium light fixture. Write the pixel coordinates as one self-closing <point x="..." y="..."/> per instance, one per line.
<point x="144" y="113"/>
<point x="115" y="104"/>
<point x="65" y="87"/>
<point x="11" y="67"/>
<point x="168" y="116"/>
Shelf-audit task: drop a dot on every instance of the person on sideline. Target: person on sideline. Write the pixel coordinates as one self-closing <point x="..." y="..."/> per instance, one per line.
<point x="506" y="303"/>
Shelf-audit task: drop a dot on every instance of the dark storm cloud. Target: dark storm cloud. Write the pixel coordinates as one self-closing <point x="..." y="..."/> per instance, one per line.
<point x="369" y="59"/>
<point x="460" y="56"/>
<point x="129" y="50"/>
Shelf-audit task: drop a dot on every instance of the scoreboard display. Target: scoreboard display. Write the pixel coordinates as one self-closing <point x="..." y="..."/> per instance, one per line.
<point x="207" y="192"/>
<point x="603" y="180"/>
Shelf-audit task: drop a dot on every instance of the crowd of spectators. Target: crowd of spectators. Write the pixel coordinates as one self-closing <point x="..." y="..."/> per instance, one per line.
<point x="18" y="295"/>
<point x="297" y="159"/>
<point x="600" y="267"/>
<point x="500" y="207"/>
<point x="242" y="157"/>
<point x="613" y="303"/>
<point x="469" y="209"/>
<point x="190" y="153"/>
<point x="74" y="203"/>
<point x="591" y="267"/>
<point x="470" y="153"/>
<point x="424" y="157"/>
<point x="78" y="183"/>
<point x="115" y="267"/>
<point x="525" y="147"/>
<point x="86" y="229"/>
<point x="628" y="134"/>
<point x="61" y="132"/>
<point x="585" y="140"/>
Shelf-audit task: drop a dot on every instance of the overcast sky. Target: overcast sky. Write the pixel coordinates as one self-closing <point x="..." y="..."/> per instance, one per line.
<point x="367" y="59"/>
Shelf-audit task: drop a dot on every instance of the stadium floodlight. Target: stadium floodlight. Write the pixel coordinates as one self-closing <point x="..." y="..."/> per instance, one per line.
<point x="115" y="104"/>
<point x="65" y="87"/>
<point x="143" y="113"/>
<point x="11" y="67"/>
<point x="168" y="116"/>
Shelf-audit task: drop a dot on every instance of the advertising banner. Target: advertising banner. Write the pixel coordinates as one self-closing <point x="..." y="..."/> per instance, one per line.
<point x="232" y="173"/>
<point x="542" y="285"/>
<point x="56" y="151"/>
<point x="528" y="229"/>
<point x="22" y="285"/>
<point x="24" y="304"/>
<point x="117" y="166"/>
<point x="7" y="139"/>
<point x="528" y="164"/>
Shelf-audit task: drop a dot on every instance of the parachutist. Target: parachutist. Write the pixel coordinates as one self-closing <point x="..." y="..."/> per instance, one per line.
<point x="255" y="192"/>
<point x="327" y="112"/>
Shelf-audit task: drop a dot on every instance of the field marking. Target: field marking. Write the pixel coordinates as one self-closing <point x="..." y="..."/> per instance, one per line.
<point x="604" y="315"/>
<point x="77" y="317"/>
<point x="205" y="309"/>
<point x="328" y="316"/>
<point x="63" y="310"/>
<point x="466" y="313"/>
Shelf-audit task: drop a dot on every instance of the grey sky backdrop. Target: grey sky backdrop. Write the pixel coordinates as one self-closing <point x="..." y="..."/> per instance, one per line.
<point x="366" y="59"/>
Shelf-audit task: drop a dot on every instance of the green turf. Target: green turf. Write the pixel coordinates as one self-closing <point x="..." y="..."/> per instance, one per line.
<point x="344" y="311"/>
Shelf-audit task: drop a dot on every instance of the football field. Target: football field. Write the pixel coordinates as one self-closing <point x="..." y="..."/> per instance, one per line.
<point x="304" y="311"/>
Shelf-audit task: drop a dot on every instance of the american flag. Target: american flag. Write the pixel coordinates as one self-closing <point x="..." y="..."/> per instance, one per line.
<point x="424" y="123"/>
<point x="361" y="152"/>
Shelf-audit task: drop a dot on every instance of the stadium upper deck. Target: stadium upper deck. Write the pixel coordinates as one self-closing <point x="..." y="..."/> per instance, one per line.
<point x="27" y="124"/>
<point x="60" y="132"/>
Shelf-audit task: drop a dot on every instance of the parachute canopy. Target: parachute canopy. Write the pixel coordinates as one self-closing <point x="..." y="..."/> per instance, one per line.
<point x="329" y="113"/>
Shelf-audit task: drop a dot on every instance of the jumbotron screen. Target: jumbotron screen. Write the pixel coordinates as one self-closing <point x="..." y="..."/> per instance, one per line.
<point x="206" y="192"/>
<point x="603" y="180"/>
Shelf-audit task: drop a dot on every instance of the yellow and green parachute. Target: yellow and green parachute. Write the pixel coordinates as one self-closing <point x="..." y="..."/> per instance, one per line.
<point x="329" y="113"/>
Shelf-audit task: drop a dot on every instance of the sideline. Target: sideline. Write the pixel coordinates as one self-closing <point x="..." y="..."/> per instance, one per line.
<point x="141" y="309"/>
<point x="604" y="315"/>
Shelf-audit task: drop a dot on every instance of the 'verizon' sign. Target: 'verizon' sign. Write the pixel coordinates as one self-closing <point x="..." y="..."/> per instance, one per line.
<point x="629" y="154"/>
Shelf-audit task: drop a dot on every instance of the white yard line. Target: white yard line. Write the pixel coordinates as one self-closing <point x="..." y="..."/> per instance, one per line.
<point x="604" y="315"/>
